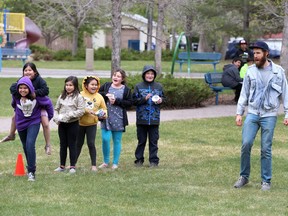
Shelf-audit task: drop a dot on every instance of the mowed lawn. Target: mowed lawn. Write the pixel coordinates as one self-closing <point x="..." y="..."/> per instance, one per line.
<point x="199" y="163"/>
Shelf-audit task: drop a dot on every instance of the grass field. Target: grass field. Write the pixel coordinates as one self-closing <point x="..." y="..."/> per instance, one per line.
<point x="199" y="164"/>
<point x="106" y="65"/>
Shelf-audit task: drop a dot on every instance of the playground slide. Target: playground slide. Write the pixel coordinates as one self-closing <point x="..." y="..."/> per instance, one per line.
<point x="33" y="34"/>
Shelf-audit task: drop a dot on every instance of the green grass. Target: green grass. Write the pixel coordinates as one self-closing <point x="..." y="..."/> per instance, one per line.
<point x="106" y="65"/>
<point x="199" y="164"/>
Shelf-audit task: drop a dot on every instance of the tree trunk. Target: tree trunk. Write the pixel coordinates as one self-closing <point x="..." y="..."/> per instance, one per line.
<point x="225" y="40"/>
<point x="160" y="22"/>
<point x="188" y="31"/>
<point x="116" y="34"/>
<point x="284" y="49"/>
<point x="202" y="46"/>
<point x="150" y="24"/>
<point x="75" y="42"/>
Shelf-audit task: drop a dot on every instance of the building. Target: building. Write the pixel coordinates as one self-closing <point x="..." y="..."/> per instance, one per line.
<point x="133" y="34"/>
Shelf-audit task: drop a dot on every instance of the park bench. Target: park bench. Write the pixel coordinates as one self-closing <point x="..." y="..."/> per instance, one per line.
<point x="214" y="81"/>
<point x="212" y="58"/>
<point x="14" y="54"/>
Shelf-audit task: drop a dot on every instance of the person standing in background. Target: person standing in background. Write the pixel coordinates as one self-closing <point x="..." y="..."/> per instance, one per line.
<point x="41" y="90"/>
<point x="94" y="102"/>
<point x="147" y="96"/>
<point x="118" y="99"/>
<point x="28" y="111"/>
<point x="243" y="52"/>
<point x="69" y="107"/>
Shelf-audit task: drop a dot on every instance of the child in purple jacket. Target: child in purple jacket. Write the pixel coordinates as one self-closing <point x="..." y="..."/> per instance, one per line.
<point x="28" y="119"/>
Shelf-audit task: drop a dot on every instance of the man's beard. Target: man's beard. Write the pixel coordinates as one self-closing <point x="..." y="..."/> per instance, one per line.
<point x="261" y="62"/>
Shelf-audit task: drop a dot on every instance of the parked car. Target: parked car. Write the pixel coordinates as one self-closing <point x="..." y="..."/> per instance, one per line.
<point x="233" y="47"/>
<point x="274" y="54"/>
<point x="231" y="50"/>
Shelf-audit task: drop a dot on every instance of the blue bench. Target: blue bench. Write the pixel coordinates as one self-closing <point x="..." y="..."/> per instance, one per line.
<point x="214" y="81"/>
<point x="212" y="58"/>
<point x="14" y="54"/>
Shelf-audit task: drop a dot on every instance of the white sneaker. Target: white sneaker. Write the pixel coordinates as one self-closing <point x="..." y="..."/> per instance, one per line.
<point x="114" y="167"/>
<point x="59" y="169"/>
<point x="31" y="176"/>
<point x="94" y="169"/>
<point x="72" y="170"/>
<point x="103" y="166"/>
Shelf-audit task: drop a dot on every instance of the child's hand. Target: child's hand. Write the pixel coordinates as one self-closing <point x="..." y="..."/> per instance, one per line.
<point x="148" y="96"/>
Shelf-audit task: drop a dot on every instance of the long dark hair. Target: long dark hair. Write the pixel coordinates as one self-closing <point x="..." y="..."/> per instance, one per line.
<point x="74" y="81"/>
<point x="33" y="67"/>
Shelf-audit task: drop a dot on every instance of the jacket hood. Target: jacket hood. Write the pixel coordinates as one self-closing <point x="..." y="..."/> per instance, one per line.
<point x="228" y="66"/>
<point x="83" y="84"/>
<point x="147" y="68"/>
<point x="26" y="81"/>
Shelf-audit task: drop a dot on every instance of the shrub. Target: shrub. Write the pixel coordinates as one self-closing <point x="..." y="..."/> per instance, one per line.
<point x="63" y="55"/>
<point x="103" y="54"/>
<point x="41" y="53"/>
<point x="179" y="92"/>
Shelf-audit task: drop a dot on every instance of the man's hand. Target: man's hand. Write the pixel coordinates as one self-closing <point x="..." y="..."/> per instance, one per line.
<point x="239" y="120"/>
<point x="285" y="122"/>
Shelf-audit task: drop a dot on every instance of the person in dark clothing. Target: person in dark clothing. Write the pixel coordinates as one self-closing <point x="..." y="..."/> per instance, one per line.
<point x="231" y="77"/>
<point x="147" y="96"/>
<point x="243" y="52"/>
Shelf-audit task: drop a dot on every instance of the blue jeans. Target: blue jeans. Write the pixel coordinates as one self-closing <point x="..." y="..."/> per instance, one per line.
<point x="250" y="128"/>
<point x="117" y="138"/>
<point x="28" y="138"/>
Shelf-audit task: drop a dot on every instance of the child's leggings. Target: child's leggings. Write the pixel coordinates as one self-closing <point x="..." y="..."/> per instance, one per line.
<point x="106" y="137"/>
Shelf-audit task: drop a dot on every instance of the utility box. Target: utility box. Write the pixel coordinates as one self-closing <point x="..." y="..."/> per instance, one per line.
<point x="89" y="59"/>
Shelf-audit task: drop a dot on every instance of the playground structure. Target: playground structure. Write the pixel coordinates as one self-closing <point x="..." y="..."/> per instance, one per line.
<point x="176" y="50"/>
<point x="16" y="23"/>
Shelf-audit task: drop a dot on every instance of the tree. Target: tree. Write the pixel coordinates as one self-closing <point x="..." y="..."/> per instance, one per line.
<point x="116" y="34"/>
<point x="59" y="17"/>
<point x="284" y="48"/>
<point x="150" y="8"/>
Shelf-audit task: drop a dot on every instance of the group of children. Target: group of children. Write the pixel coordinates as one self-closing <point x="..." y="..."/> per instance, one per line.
<point x="77" y="114"/>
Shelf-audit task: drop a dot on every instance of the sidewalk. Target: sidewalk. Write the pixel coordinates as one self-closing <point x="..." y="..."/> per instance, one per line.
<point x="211" y="111"/>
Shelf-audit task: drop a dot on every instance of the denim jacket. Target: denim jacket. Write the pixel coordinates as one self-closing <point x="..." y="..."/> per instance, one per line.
<point x="263" y="100"/>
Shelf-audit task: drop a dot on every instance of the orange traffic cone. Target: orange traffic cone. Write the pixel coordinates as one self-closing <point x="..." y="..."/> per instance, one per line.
<point x="19" y="169"/>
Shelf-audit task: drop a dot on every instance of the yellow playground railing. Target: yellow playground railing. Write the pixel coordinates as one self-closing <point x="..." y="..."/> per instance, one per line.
<point x="15" y="22"/>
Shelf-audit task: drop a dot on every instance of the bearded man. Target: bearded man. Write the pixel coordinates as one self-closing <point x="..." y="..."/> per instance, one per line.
<point x="263" y="87"/>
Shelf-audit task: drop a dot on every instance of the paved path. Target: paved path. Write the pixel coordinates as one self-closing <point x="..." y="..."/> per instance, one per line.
<point x="166" y="115"/>
<point x="63" y="73"/>
<point x="211" y="111"/>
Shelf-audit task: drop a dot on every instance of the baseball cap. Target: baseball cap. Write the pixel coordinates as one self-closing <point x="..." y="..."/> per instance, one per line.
<point x="242" y="42"/>
<point x="260" y="45"/>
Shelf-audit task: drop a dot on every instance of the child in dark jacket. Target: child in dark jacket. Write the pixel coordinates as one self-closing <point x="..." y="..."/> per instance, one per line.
<point x="28" y="118"/>
<point x="147" y="96"/>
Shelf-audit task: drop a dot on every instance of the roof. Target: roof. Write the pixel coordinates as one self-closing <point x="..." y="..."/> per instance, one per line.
<point x="138" y="18"/>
